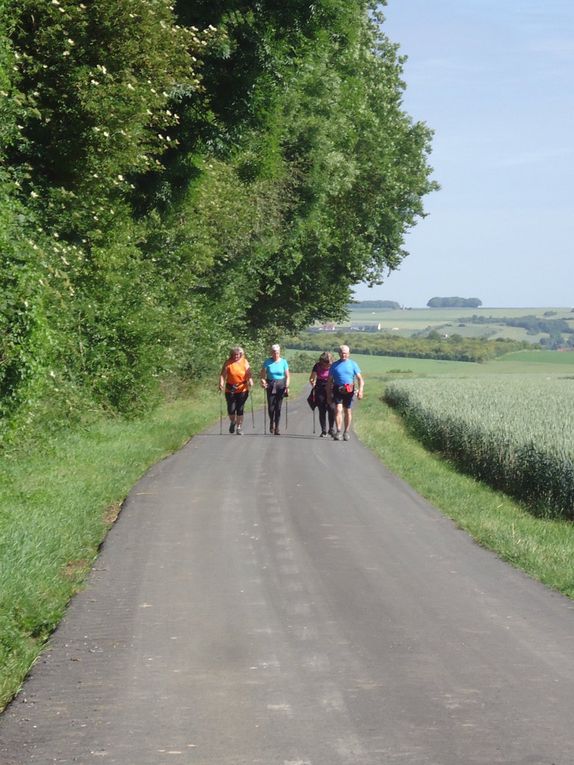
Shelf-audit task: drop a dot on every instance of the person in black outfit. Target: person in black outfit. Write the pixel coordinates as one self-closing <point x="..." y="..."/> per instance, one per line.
<point x="318" y="380"/>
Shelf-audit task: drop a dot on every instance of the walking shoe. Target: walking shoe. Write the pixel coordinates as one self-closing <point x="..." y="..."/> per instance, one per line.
<point x="232" y="427"/>
<point x="332" y="432"/>
<point x="276" y="431"/>
<point x="323" y="434"/>
<point x="239" y="432"/>
<point x="338" y="436"/>
<point x="346" y="436"/>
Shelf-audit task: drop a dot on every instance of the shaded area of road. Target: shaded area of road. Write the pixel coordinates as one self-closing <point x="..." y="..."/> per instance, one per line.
<point x="287" y="601"/>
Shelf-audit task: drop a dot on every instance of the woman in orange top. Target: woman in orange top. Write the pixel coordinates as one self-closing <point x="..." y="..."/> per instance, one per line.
<point x="235" y="378"/>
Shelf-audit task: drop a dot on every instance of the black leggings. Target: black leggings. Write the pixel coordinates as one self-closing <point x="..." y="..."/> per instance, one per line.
<point x="275" y="394"/>
<point x="236" y="402"/>
<point x="325" y="411"/>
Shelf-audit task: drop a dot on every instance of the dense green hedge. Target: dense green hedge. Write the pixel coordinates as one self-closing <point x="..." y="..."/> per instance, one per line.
<point x="179" y="178"/>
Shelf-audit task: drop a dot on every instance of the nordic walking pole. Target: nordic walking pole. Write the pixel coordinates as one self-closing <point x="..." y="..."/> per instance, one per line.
<point x="220" y="412"/>
<point x="252" y="413"/>
<point x="287" y="414"/>
<point x="264" y="411"/>
<point x="315" y="402"/>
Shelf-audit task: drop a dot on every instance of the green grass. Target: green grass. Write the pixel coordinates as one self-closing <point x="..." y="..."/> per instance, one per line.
<point x="552" y="358"/>
<point x="521" y="362"/>
<point x="543" y="548"/>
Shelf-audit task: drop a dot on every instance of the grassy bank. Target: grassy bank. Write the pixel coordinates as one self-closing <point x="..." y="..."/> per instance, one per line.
<point x="542" y="548"/>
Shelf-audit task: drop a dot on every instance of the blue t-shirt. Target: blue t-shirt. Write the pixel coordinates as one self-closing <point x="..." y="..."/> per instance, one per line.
<point x="275" y="370"/>
<point x="343" y="372"/>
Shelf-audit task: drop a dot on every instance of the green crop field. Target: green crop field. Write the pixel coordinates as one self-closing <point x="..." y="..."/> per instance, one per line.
<point x="552" y="363"/>
<point x="515" y="432"/>
<point x="553" y="358"/>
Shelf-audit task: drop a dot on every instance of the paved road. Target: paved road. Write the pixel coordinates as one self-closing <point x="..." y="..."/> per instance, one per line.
<point x="286" y="601"/>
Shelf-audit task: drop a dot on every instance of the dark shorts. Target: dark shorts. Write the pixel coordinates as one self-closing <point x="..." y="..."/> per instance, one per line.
<point x="342" y="397"/>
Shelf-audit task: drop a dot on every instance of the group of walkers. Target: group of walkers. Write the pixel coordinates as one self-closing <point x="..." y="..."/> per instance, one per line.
<point x="333" y="389"/>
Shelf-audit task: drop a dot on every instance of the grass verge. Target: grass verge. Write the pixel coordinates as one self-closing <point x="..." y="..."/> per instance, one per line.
<point x="542" y="548"/>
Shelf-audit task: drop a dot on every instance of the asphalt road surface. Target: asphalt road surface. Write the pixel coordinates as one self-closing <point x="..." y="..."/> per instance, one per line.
<point x="287" y="601"/>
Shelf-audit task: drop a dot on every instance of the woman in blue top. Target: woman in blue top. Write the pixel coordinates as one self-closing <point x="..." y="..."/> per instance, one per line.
<point x="275" y="379"/>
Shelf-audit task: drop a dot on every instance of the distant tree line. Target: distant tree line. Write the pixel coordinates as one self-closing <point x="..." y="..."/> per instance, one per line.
<point x="453" y="348"/>
<point x="454" y="302"/>
<point x="532" y="324"/>
<point x="178" y="177"/>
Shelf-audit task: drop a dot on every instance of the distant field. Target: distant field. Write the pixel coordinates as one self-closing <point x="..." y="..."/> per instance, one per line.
<point x="425" y="316"/>
<point x="552" y="363"/>
<point x="452" y="320"/>
<point x="565" y="358"/>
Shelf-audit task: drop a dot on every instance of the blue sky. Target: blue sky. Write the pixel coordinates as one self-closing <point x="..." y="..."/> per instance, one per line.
<point x="495" y="80"/>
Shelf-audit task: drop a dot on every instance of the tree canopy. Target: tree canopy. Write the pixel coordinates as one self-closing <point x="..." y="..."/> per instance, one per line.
<point x="454" y="302"/>
<point x="180" y="177"/>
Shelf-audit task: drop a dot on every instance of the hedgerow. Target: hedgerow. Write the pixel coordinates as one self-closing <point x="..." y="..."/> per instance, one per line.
<point x="178" y="178"/>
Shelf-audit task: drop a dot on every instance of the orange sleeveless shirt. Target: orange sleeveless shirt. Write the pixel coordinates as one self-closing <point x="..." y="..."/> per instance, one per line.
<point x="236" y="374"/>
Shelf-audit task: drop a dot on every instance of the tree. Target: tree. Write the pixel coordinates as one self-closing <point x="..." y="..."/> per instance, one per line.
<point x="454" y="302"/>
<point x="185" y="177"/>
